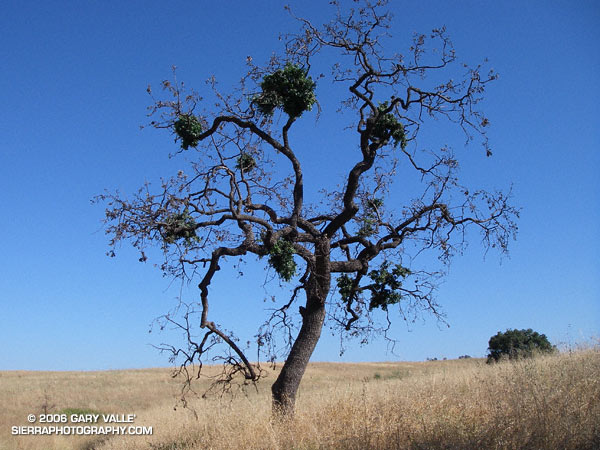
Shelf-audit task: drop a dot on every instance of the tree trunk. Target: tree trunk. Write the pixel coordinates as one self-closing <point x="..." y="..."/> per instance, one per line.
<point x="313" y="316"/>
<point x="285" y="387"/>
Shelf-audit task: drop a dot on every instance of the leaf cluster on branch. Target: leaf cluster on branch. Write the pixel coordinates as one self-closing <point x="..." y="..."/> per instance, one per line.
<point x="281" y="258"/>
<point x="245" y="162"/>
<point x="370" y="219"/>
<point x="180" y="226"/>
<point x="290" y="88"/>
<point x="189" y="129"/>
<point x="386" y="127"/>
<point x="385" y="290"/>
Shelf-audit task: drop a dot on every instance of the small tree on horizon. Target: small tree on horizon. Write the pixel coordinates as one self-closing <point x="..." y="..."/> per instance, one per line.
<point x="517" y="344"/>
<point x="242" y="195"/>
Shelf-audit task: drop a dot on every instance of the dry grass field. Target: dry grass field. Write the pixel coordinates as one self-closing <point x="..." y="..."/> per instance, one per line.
<point x="550" y="402"/>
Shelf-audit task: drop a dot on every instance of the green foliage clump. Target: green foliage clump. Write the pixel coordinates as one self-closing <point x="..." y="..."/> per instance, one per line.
<point x="289" y="88"/>
<point x="281" y="258"/>
<point x="344" y="284"/>
<point x="180" y="226"/>
<point x="386" y="127"/>
<point x="369" y="221"/>
<point x="374" y="203"/>
<point x="367" y="227"/>
<point x="189" y="129"/>
<point x="245" y="162"/>
<point x="516" y="344"/>
<point x="386" y="285"/>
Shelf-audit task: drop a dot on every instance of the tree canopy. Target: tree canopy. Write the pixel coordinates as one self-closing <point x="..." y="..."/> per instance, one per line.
<point x="516" y="344"/>
<point x="242" y="194"/>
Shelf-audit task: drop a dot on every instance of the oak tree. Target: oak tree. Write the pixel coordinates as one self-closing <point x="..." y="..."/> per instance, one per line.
<point x="517" y="344"/>
<point x="351" y="256"/>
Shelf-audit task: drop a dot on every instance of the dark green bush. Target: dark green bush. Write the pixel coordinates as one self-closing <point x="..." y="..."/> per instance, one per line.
<point x="516" y="344"/>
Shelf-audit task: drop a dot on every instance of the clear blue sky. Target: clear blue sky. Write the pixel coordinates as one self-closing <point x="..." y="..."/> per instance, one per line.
<point x="73" y="83"/>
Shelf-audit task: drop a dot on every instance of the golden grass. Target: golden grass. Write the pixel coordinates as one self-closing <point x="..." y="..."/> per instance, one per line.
<point x="550" y="402"/>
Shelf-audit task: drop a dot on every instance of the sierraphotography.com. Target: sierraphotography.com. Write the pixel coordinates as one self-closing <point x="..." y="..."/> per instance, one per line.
<point x="88" y="418"/>
<point x="80" y="430"/>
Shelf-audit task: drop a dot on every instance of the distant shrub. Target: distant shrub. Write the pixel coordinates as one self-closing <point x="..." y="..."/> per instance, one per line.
<point x="516" y="344"/>
<point x="464" y="357"/>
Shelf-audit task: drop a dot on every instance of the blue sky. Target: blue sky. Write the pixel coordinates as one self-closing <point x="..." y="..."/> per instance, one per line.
<point x="73" y="80"/>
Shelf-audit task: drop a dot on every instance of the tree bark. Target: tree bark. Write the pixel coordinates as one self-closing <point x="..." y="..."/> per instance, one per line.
<point x="313" y="316"/>
<point x="286" y="386"/>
